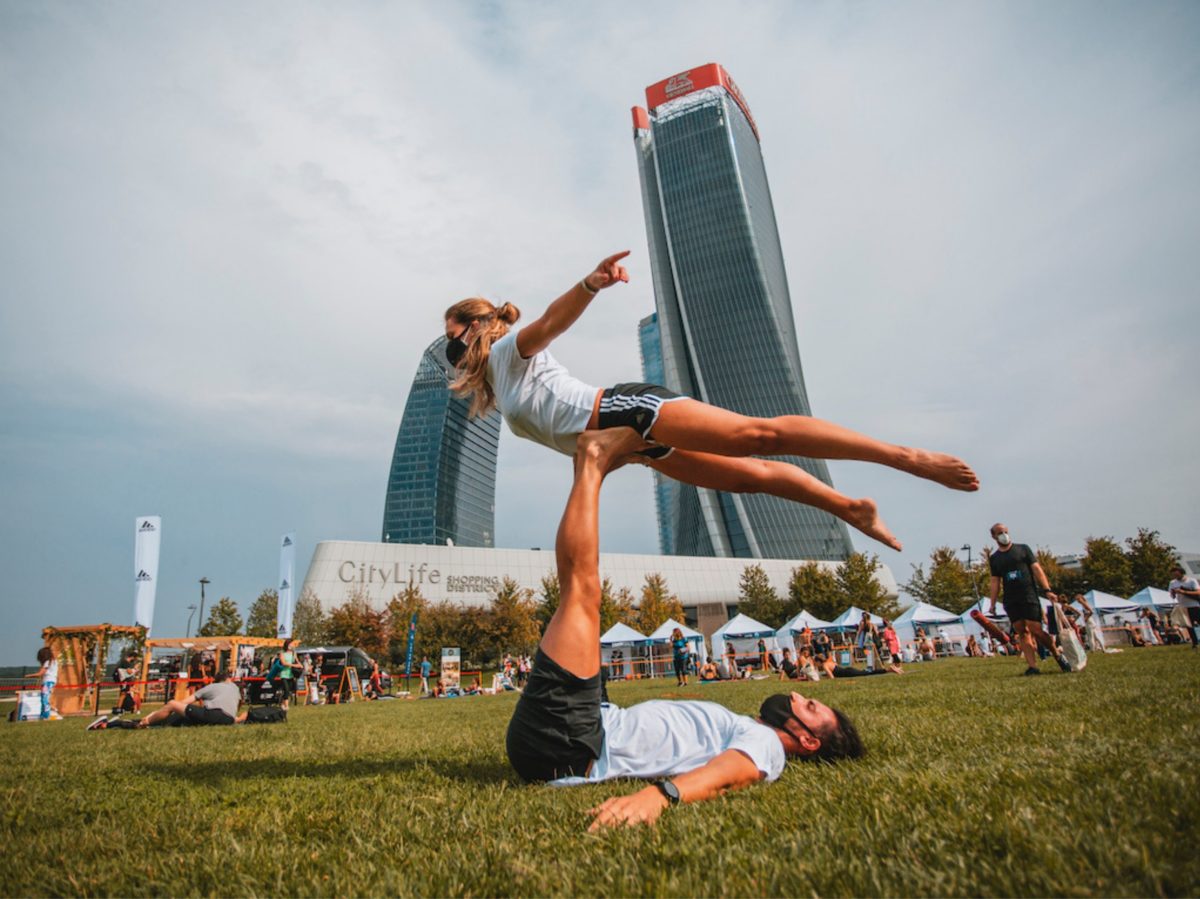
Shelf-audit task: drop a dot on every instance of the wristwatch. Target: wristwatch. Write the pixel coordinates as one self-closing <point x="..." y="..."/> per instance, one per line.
<point x="668" y="789"/>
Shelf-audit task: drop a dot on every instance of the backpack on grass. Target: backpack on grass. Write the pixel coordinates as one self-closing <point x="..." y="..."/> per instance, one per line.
<point x="266" y="715"/>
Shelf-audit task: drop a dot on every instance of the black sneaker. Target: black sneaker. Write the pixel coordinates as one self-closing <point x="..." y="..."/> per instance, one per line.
<point x="1063" y="663"/>
<point x="1030" y="672"/>
<point x="99" y="724"/>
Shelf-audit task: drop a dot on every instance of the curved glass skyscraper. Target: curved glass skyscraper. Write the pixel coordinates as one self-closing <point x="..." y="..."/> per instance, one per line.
<point x="724" y="315"/>
<point x="442" y="484"/>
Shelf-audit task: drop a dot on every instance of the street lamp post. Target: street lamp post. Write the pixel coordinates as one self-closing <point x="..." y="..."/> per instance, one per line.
<point x="203" y="582"/>
<point x="191" y="612"/>
<point x="966" y="547"/>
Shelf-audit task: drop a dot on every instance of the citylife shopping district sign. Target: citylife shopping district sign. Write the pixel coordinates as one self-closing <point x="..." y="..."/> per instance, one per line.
<point x="415" y="575"/>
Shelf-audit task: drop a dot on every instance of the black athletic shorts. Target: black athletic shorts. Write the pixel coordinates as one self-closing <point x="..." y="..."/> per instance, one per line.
<point x="1023" y="611"/>
<point x="555" y="730"/>
<point x="636" y="406"/>
<point x="195" y="715"/>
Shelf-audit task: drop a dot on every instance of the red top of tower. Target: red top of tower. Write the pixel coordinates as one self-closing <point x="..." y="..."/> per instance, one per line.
<point x="684" y="83"/>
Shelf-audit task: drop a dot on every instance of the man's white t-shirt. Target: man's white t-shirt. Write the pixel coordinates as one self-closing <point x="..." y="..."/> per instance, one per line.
<point x="538" y="397"/>
<point x="1187" y="583"/>
<point x="663" y="737"/>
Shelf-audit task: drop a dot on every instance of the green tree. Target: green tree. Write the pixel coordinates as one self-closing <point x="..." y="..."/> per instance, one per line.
<point x="355" y="623"/>
<point x="949" y="582"/>
<point x="262" y="619"/>
<point x="814" y="588"/>
<point x="615" y="607"/>
<point x="657" y="605"/>
<point x="858" y="586"/>
<point x="550" y="597"/>
<point x="1107" y="568"/>
<point x="1064" y="580"/>
<point x="398" y="614"/>
<point x="223" y="620"/>
<point x="758" y="599"/>
<point x="448" y="624"/>
<point x="511" y="623"/>
<point x="309" y="623"/>
<point x="1150" y="559"/>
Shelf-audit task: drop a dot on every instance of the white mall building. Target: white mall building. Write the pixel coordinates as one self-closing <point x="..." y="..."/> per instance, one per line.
<point x="707" y="587"/>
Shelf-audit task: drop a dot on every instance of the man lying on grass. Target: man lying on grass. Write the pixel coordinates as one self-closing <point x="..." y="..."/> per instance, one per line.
<point x="562" y="732"/>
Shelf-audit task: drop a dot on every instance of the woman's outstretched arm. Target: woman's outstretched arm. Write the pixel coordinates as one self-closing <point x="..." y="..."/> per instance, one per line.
<point x="563" y="312"/>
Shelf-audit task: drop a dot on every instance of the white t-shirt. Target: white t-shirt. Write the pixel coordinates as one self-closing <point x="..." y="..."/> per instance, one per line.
<point x="50" y="673"/>
<point x="1187" y="583"/>
<point x="538" y="397"/>
<point x="663" y="737"/>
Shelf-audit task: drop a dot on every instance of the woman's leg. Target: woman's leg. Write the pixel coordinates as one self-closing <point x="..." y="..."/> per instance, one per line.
<point x="782" y="479"/>
<point x="692" y="425"/>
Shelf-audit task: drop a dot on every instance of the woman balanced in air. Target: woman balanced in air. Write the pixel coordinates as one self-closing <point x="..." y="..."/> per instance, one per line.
<point x="693" y="442"/>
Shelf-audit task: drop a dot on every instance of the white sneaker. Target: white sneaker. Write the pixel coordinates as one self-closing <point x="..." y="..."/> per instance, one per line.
<point x="99" y="724"/>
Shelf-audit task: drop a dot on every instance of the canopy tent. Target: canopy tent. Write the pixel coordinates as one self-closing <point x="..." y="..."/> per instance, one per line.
<point x="1112" y="609"/>
<point x="632" y="645"/>
<point x="1152" y="597"/>
<point x="662" y="634"/>
<point x="850" y="619"/>
<point x="932" y="620"/>
<point x="742" y="633"/>
<point x="786" y="635"/>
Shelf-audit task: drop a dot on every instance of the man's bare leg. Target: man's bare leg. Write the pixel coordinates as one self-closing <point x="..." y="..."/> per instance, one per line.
<point x="572" y="637"/>
<point x="174" y="705"/>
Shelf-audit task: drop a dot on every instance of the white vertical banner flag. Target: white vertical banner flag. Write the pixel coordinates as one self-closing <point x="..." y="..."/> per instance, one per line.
<point x="287" y="578"/>
<point x="146" y="533"/>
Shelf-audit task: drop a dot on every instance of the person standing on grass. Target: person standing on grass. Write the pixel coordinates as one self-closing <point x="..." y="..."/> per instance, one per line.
<point x="679" y="656"/>
<point x="48" y="673"/>
<point x="562" y="731"/>
<point x="1015" y="567"/>
<point x="289" y="665"/>
<point x="426" y="669"/>
<point x="690" y="441"/>
<point x="891" y="644"/>
<point x="1186" y="592"/>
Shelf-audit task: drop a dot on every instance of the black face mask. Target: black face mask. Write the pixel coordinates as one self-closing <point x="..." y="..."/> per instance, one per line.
<point x="456" y="349"/>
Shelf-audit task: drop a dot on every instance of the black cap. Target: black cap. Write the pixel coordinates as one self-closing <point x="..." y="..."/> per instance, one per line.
<point x="776" y="710"/>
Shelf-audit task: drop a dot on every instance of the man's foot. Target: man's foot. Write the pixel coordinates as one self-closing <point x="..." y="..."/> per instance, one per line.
<point x="942" y="468"/>
<point x="895" y="669"/>
<point x="1031" y="672"/>
<point x="864" y="515"/>
<point x="609" y="447"/>
<point x="1063" y="663"/>
<point x="99" y="724"/>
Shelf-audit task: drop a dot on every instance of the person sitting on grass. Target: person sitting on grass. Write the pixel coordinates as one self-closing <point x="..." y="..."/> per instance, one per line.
<point x="562" y="731"/>
<point x="216" y="703"/>
<point x="709" y="672"/>
<point x="787" y="668"/>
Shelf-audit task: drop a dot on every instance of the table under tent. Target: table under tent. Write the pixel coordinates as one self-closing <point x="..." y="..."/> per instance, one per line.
<point x="742" y="633"/>
<point x="937" y="623"/>
<point x="663" y="652"/>
<point x="786" y="637"/>
<point x="624" y="652"/>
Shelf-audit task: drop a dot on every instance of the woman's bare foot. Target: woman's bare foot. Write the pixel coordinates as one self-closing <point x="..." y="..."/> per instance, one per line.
<point x="864" y="515"/>
<point x="610" y="447"/>
<point x="942" y="468"/>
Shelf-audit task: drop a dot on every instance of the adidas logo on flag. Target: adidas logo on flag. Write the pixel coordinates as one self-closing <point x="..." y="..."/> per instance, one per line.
<point x="147" y="525"/>
<point x="142" y="576"/>
<point x="287" y="541"/>
<point x="285" y="586"/>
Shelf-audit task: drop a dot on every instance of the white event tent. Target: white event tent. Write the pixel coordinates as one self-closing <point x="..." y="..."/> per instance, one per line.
<point x="662" y="636"/>
<point x="786" y="635"/>
<point x="743" y="633"/>
<point x="849" y="619"/>
<point x="1152" y="597"/>
<point x="932" y="620"/>
<point x="623" y="637"/>
<point x="1112" y="608"/>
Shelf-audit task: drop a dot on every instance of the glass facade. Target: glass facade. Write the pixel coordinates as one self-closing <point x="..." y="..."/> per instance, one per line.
<point x="724" y="315"/>
<point x="442" y="484"/>
<point x="650" y="345"/>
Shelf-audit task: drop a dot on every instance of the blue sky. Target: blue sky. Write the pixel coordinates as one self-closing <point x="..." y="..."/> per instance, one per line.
<point x="228" y="231"/>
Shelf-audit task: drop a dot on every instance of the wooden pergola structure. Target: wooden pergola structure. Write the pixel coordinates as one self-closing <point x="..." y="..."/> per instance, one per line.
<point x="82" y="651"/>
<point x="226" y="649"/>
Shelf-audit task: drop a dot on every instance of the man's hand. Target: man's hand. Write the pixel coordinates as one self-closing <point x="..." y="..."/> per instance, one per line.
<point x="642" y="807"/>
<point x="608" y="272"/>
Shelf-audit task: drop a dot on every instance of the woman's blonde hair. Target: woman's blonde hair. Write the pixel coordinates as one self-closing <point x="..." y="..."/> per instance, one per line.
<point x="494" y="322"/>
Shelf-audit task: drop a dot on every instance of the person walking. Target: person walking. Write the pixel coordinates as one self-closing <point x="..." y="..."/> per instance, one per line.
<point x="1186" y="592"/>
<point x="426" y="669"/>
<point x="691" y="441"/>
<point x="1015" y="567"/>
<point x="679" y="656"/>
<point x="289" y="667"/>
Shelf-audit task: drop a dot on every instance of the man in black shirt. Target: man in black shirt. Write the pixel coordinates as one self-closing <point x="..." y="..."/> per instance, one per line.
<point x="1016" y="567"/>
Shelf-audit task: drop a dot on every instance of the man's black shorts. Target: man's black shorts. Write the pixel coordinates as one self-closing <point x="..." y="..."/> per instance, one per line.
<point x="1023" y="611"/>
<point x="555" y="730"/>
<point x="195" y="715"/>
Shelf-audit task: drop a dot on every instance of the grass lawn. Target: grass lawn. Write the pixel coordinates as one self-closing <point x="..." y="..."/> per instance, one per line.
<point x="978" y="782"/>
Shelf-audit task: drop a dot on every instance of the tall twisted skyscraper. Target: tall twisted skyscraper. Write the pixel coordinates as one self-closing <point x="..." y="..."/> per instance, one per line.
<point x="725" y="328"/>
<point x="442" y="483"/>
